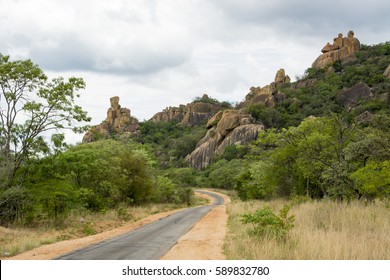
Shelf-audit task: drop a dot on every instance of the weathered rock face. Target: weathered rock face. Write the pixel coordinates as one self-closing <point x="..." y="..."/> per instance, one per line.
<point x="118" y="121"/>
<point x="269" y="94"/>
<point x="387" y="72"/>
<point x="343" y="49"/>
<point x="229" y="127"/>
<point x="195" y="113"/>
<point x="349" y="98"/>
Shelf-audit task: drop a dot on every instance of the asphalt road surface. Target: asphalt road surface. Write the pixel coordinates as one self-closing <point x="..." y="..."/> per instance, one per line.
<point x="149" y="242"/>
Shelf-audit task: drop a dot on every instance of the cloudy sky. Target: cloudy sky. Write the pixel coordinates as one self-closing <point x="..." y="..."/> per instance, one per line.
<point x="159" y="53"/>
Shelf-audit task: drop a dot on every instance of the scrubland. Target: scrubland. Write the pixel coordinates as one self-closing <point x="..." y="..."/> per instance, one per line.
<point x="323" y="230"/>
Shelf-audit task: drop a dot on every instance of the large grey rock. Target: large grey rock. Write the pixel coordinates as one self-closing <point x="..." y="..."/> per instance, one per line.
<point x="349" y="98"/>
<point x="230" y="127"/>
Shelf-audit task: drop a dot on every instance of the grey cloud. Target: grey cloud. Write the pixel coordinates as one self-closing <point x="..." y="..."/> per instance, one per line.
<point x="70" y="52"/>
<point x="308" y="18"/>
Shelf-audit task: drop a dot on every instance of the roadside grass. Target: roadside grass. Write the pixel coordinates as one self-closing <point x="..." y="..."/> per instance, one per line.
<point x="324" y="230"/>
<point x="16" y="240"/>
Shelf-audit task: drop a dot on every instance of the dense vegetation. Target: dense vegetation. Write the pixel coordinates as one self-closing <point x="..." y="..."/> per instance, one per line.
<point x="170" y="142"/>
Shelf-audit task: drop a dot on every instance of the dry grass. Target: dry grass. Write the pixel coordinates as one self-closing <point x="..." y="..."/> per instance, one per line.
<point x="323" y="230"/>
<point x="14" y="241"/>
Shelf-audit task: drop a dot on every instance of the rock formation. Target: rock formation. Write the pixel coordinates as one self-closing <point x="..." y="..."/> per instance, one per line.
<point x="269" y="94"/>
<point x="349" y="98"/>
<point x="229" y="127"/>
<point x="118" y="121"/>
<point x="195" y="113"/>
<point x="343" y="49"/>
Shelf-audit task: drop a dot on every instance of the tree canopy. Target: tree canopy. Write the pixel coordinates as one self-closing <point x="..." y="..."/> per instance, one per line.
<point x="31" y="105"/>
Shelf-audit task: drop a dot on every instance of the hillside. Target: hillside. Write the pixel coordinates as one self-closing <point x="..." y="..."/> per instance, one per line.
<point x="327" y="134"/>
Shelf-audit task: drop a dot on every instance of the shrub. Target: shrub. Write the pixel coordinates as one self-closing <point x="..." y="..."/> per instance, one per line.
<point x="268" y="224"/>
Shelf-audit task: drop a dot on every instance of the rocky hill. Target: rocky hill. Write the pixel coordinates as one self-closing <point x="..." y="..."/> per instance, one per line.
<point x="344" y="77"/>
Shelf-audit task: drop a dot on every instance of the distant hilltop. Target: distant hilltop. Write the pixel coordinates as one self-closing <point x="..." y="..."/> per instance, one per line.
<point x="195" y="113"/>
<point x="118" y="121"/>
<point x="343" y="49"/>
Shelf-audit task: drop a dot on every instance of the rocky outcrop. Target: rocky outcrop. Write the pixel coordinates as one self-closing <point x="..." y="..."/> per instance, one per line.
<point x="387" y="72"/>
<point x="226" y="128"/>
<point x="268" y="95"/>
<point x="118" y="121"/>
<point x="343" y="49"/>
<point x="349" y="98"/>
<point x="195" y="113"/>
<point x="364" y="118"/>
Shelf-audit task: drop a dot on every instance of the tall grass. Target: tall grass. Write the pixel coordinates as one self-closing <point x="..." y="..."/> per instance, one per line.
<point x="323" y="230"/>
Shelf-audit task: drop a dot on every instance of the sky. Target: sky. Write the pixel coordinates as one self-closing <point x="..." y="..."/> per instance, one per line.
<point x="159" y="53"/>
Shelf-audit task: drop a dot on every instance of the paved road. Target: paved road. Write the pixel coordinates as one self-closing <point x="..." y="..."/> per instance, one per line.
<point x="149" y="242"/>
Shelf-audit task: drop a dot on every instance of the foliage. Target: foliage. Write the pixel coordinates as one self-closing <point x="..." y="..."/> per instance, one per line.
<point x="234" y="152"/>
<point x="255" y="183"/>
<point x="270" y="117"/>
<point x="268" y="224"/>
<point x="169" y="192"/>
<point x="221" y="174"/>
<point x="170" y="142"/>
<point x="95" y="177"/>
<point x="373" y="180"/>
<point x="206" y="99"/>
<point x="184" y="177"/>
<point x="319" y="158"/>
<point x="31" y="105"/>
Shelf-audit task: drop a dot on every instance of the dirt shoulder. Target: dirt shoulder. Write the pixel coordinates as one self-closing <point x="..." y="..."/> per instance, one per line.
<point x="205" y="240"/>
<point x="51" y="251"/>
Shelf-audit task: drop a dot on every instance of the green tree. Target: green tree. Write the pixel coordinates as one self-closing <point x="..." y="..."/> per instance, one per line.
<point x="373" y="180"/>
<point x="31" y="105"/>
<point x="111" y="172"/>
<point x="256" y="182"/>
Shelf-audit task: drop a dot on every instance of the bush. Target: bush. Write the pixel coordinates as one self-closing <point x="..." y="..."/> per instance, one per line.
<point x="267" y="224"/>
<point x="168" y="192"/>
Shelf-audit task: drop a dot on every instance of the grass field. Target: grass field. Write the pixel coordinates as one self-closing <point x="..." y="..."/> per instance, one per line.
<point x="324" y="230"/>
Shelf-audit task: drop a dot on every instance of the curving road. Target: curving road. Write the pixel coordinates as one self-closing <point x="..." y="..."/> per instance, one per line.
<point x="149" y="242"/>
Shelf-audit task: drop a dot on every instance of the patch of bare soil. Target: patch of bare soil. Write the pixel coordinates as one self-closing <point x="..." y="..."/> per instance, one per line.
<point x="205" y="240"/>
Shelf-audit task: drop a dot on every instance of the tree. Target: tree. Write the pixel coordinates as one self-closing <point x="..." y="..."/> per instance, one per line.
<point x="373" y="180"/>
<point x="30" y="106"/>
